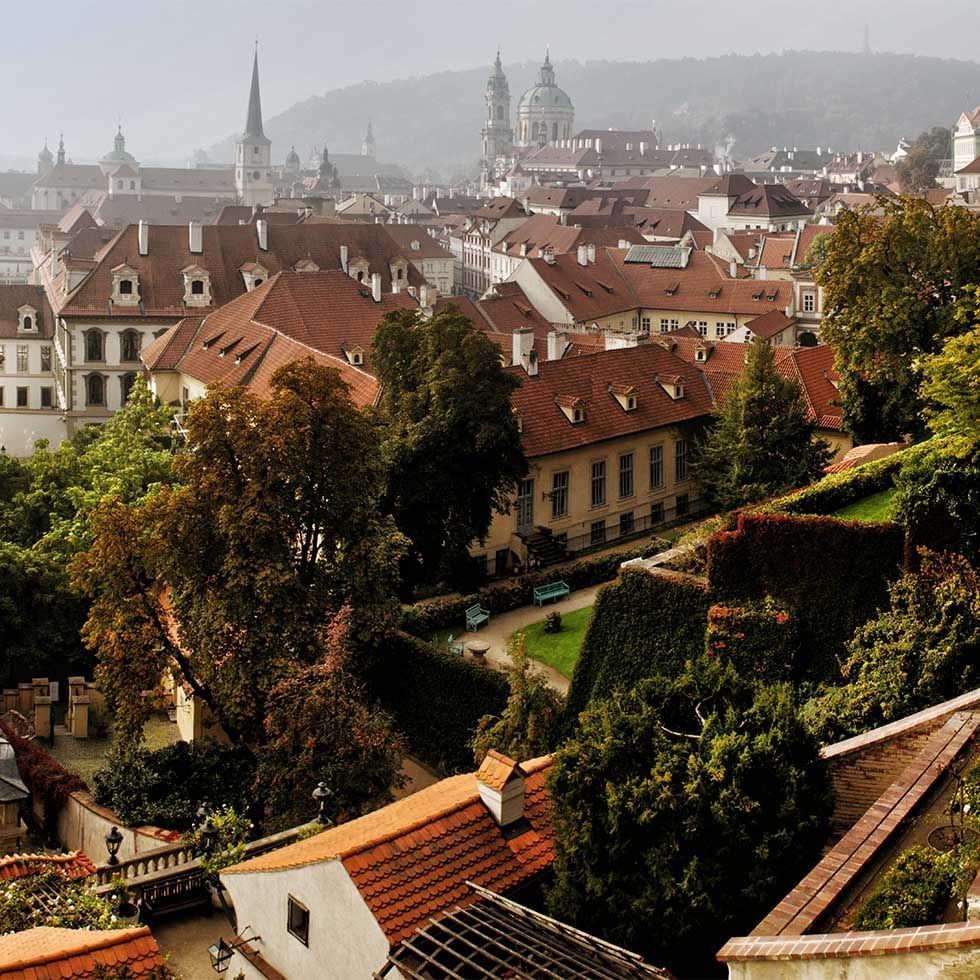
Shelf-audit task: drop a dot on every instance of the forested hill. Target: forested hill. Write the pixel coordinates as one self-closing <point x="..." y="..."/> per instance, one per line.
<point x="801" y="98"/>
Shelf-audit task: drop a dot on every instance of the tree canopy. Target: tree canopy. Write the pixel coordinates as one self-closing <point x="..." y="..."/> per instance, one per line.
<point x="762" y="442"/>
<point x="684" y="808"/>
<point x="892" y="278"/>
<point x="918" y="170"/>
<point x="232" y="575"/>
<point x="451" y="445"/>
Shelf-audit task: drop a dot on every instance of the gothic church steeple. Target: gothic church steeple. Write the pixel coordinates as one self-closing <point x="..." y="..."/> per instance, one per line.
<point x="253" y="154"/>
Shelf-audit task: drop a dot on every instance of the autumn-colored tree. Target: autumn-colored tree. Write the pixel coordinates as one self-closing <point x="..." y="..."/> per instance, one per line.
<point x="232" y="575"/>
<point x="319" y="727"/>
<point x="917" y="172"/>
<point x="892" y="277"/>
<point x="451" y="443"/>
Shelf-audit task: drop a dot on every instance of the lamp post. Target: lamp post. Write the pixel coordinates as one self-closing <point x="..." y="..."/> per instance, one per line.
<point x="113" y="841"/>
<point x="220" y="952"/>
<point x="209" y="836"/>
<point x="321" y="794"/>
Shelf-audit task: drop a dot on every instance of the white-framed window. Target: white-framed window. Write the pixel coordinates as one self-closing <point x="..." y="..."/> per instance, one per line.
<point x="598" y="496"/>
<point x="95" y="389"/>
<point x="22" y="396"/>
<point x="656" y="466"/>
<point x="703" y="328"/>
<point x="809" y="301"/>
<point x="681" y="460"/>
<point x="625" y="475"/>
<point x="559" y="495"/>
<point x="22" y="353"/>
<point x="298" y="920"/>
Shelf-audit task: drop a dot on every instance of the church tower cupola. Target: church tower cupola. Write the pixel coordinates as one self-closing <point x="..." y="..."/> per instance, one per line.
<point x="61" y="148"/>
<point x="498" y="134"/>
<point x="368" y="148"/>
<point x="45" y="159"/>
<point x="253" y="154"/>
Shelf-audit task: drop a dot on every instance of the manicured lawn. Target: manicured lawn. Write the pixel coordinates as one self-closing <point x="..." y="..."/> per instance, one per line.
<point x="559" y="650"/>
<point x="878" y="507"/>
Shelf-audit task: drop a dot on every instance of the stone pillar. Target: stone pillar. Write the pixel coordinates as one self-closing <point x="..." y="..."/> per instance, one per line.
<point x="10" y="702"/>
<point x="42" y="717"/>
<point x="25" y="699"/>
<point x="41" y="687"/>
<point x="79" y="717"/>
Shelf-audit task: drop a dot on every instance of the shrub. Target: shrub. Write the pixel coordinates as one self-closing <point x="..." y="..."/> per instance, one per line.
<point x="832" y="575"/>
<point x="646" y="624"/>
<point x="228" y="847"/>
<point x="443" y="612"/>
<point x="552" y="622"/>
<point x="47" y="899"/>
<point x="436" y="698"/>
<point x="166" y="787"/>
<point x="919" y="652"/>
<point x="913" y="892"/>
<point x="47" y="779"/>
<point x="759" y="638"/>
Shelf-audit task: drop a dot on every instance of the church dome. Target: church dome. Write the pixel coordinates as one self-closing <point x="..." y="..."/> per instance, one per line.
<point x="545" y="96"/>
<point x="118" y="152"/>
<point x="292" y="159"/>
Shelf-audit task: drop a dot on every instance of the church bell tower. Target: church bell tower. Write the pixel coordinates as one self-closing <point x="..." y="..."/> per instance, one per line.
<point x="253" y="154"/>
<point x="498" y="134"/>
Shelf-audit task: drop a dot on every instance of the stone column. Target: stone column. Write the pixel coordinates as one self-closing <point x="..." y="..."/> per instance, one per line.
<point x="42" y="717"/>
<point x="10" y="702"/>
<point x="79" y="717"/>
<point x="25" y="699"/>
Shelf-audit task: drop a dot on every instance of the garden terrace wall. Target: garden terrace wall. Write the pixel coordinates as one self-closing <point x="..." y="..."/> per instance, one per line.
<point x="759" y="638"/>
<point x="436" y="698"/>
<point x="832" y="575"/>
<point x="648" y="623"/>
<point x="445" y="612"/>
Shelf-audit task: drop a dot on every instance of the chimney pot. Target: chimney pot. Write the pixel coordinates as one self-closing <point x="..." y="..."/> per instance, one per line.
<point x="144" y="237"/>
<point x="376" y="286"/>
<point x="262" y="231"/>
<point x="501" y="783"/>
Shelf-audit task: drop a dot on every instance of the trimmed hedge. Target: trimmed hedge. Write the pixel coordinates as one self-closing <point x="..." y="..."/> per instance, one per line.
<point x="760" y="639"/>
<point x="47" y="779"/>
<point x="436" y="699"/>
<point x="444" y="612"/>
<point x="646" y="624"/>
<point x="832" y="575"/>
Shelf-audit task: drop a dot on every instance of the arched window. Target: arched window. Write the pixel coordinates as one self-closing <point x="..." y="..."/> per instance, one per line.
<point x="132" y="185"/>
<point x="554" y="131"/>
<point x="130" y="346"/>
<point x="197" y="287"/>
<point x="401" y="273"/>
<point x="500" y="111"/>
<point x="126" y="386"/>
<point x="28" y="323"/>
<point x="94" y="346"/>
<point x="257" y="282"/>
<point x="95" y="390"/>
<point x="360" y="276"/>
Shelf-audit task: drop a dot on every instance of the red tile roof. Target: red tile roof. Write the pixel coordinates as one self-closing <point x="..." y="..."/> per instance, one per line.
<point x="71" y="867"/>
<point x="411" y="859"/>
<point x="49" y="953"/>
<point x="769" y="324"/>
<point x="772" y="201"/>
<point x="12" y="297"/>
<point x="544" y="427"/>
<point x="671" y="192"/>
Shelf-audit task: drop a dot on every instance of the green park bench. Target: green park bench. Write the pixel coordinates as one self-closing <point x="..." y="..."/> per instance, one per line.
<point x="553" y="590"/>
<point x="476" y="616"/>
<point x="454" y="646"/>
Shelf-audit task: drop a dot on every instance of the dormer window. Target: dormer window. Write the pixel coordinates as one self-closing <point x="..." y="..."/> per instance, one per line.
<point x="27" y="319"/>
<point x="253" y="275"/>
<point x="125" y="286"/>
<point x="625" y="395"/>
<point x="197" y="286"/>
<point x="672" y="384"/>
<point x="354" y="355"/>
<point x="573" y="408"/>
<point x="306" y="265"/>
<point x="701" y="353"/>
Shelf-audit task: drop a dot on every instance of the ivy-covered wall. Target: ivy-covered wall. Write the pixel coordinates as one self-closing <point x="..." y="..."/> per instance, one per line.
<point x="831" y="575"/>
<point x="645" y="624"/>
<point x="436" y="699"/>
<point x="759" y="638"/>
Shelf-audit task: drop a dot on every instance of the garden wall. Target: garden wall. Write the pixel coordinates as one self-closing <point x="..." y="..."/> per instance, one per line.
<point x="650" y="622"/>
<point x="832" y="575"/>
<point x="436" y="699"/>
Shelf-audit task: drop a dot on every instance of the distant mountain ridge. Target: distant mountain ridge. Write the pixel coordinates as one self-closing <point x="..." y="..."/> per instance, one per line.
<point x="802" y="98"/>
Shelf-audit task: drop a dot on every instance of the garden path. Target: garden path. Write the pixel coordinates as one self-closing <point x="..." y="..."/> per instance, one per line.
<point x="498" y="631"/>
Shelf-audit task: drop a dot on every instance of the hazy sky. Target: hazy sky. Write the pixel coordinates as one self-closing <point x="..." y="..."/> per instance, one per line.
<point x="176" y="72"/>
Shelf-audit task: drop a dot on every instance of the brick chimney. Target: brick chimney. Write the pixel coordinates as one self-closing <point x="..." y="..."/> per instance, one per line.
<point x="522" y="352"/>
<point x="501" y="783"/>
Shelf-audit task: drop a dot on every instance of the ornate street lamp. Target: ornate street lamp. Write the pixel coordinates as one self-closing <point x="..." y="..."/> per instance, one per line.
<point x="209" y="836"/>
<point x="113" y="841"/>
<point x="220" y="952"/>
<point x="321" y="794"/>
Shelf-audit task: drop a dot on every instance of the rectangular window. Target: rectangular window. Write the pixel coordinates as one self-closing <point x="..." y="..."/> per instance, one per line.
<point x="680" y="460"/>
<point x="45" y="358"/>
<point x="645" y="322"/>
<point x="683" y="505"/>
<point x="597" y="532"/>
<point x="21" y="397"/>
<point x="46" y="397"/>
<point x="598" y="483"/>
<point x="809" y="301"/>
<point x="22" y="358"/>
<point x="657" y="513"/>
<point x="525" y="503"/>
<point x="298" y="921"/>
<point x="625" y="475"/>
<point x="559" y="495"/>
<point x="664" y="325"/>
<point x="703" y="328"/>
<point x="1" y="397"/>
<point x="656" y="467"/>
<point x="626" y="523"/>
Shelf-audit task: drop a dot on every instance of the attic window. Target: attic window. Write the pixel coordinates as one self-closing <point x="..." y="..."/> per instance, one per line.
<point x="197" y="287"/>
<point x="714" y="292"/>
<point x="771" y="297"/>
<point x="355" y="355"/>
<point x="212" y="340"/>
<point x="562" y="293"/>
<point x="243" y="354"/>
<point x="757" y="295"/>
<point x="671" y="289"/>
<point x="577" y="414"/>
<point x="625" y="395"/>
<point x="228" y="348"/>
<point x="606" y="287"/>
<point x="585" y="289"/>
<point x="126" y="287"/>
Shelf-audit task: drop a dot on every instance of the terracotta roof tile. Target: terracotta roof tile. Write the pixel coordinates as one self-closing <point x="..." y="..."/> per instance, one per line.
<point x="73" y="866"/>
<point x="497" y="770"/>
<point x="48" y="953"/>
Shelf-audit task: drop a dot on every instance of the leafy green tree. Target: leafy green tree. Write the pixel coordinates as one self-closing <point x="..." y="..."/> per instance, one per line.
<point x="683" y="809"/>
<point x="951" y="385"/>
<point x="918" y="170"/>
<point x="528" y="725"/>
<point x="451" y="444"/>
<point x="892" y="280"/>
<point x="919" y="652"/>
<point x="762" y="442"/>
<point x="320" y="727"/>
<point x="273" y="529"/>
